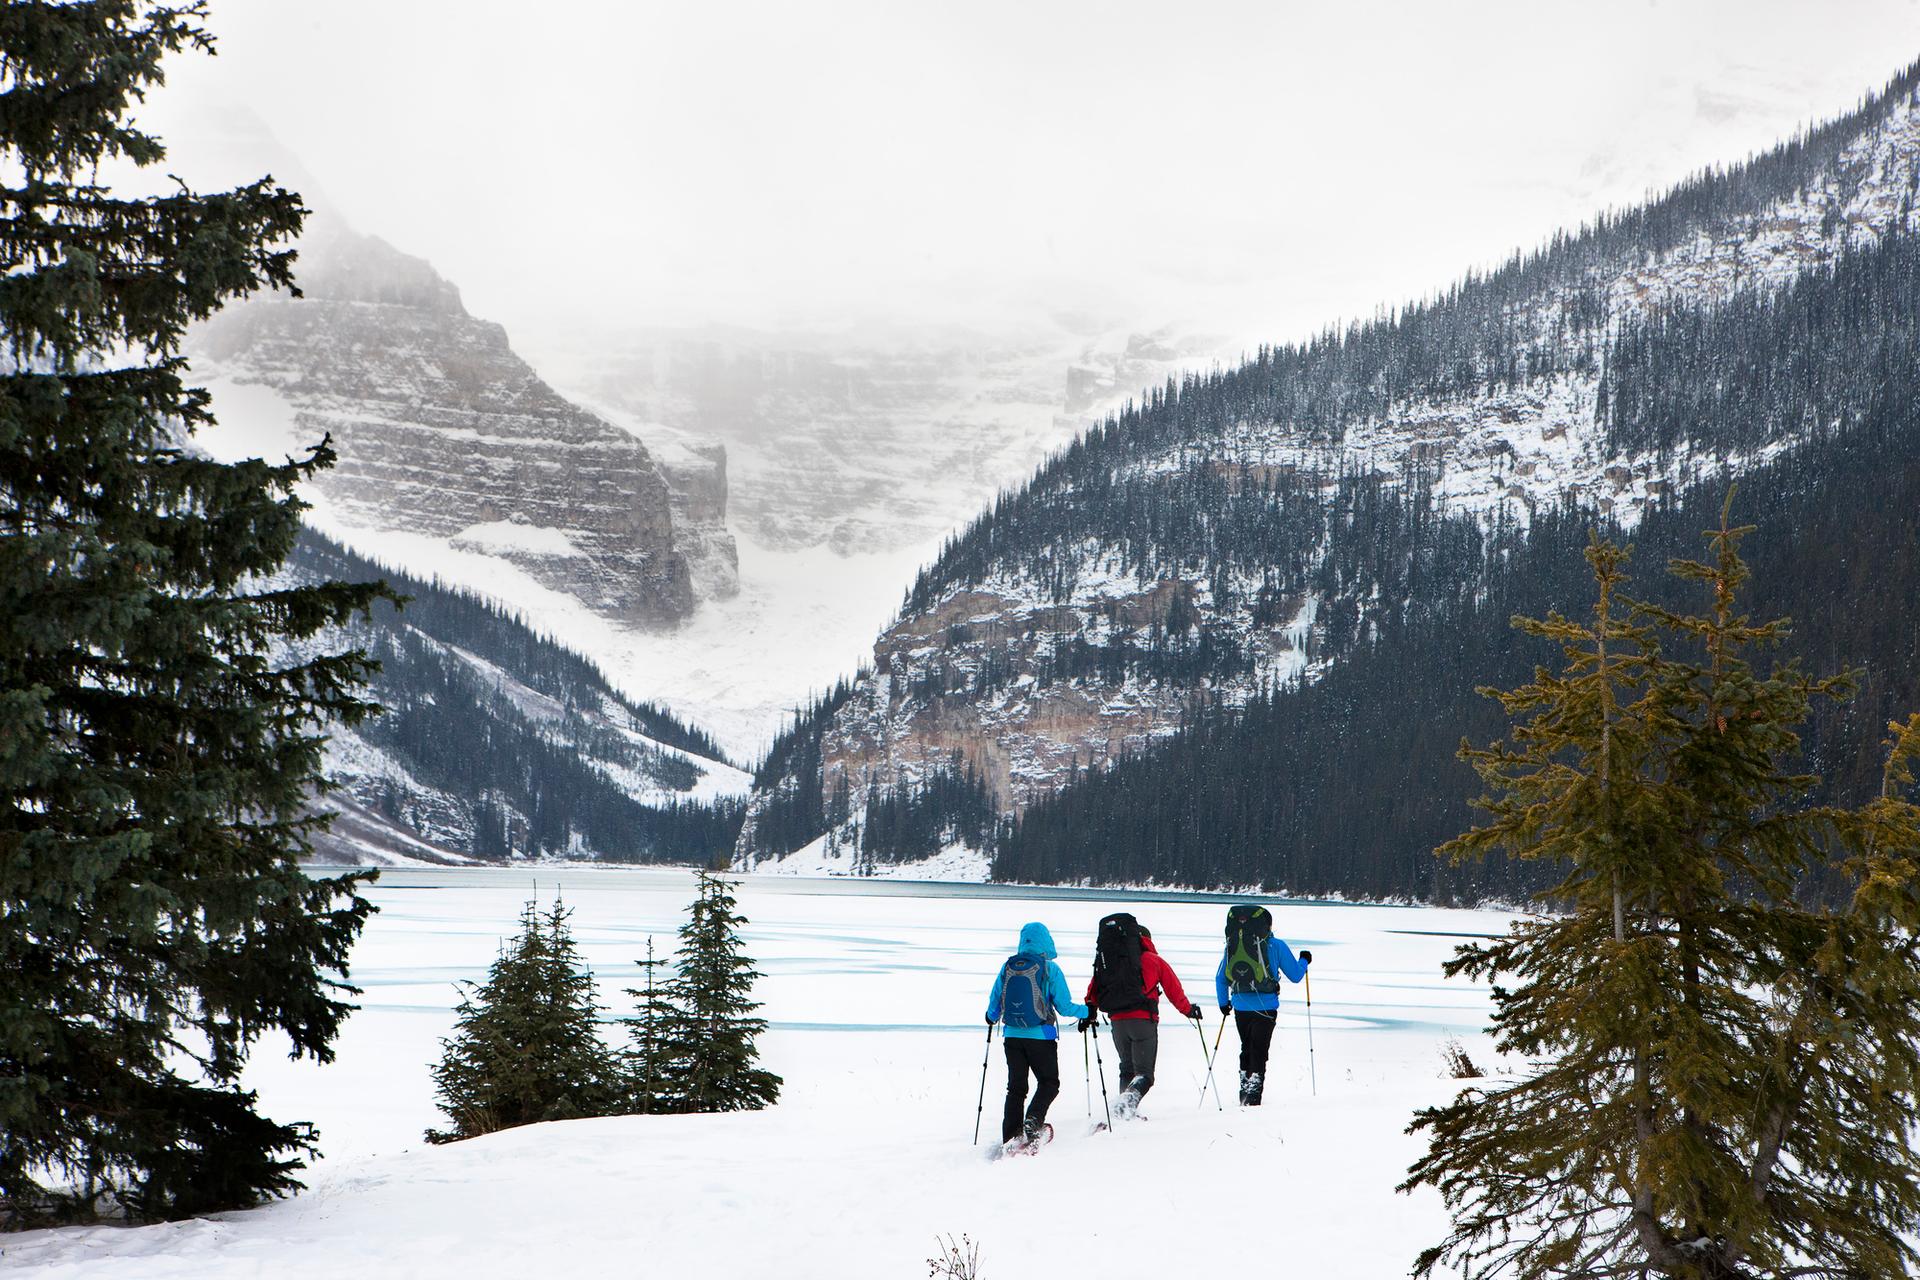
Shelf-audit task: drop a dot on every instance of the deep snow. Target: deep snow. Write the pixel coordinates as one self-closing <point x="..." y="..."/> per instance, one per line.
<point x="875" y="992"/>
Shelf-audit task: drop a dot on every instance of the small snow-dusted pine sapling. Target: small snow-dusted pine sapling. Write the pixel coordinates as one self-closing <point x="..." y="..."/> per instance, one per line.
<point x="527" y="1047"/>
<point x="1727" y="1077"/>
<point x="160" y="738"/>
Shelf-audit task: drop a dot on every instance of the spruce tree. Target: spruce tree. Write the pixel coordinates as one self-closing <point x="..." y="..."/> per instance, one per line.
<point x="714" y="990"/>
<point x="527" y="1046"/>
<point x="658" y="1033"/>
<point x="160" y="740"/>
<point x="1725" y="1077"/>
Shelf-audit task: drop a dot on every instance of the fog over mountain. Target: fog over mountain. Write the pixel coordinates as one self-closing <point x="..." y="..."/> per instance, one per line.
<point x="845" y="277"/>
<point x="1252" y="169"/>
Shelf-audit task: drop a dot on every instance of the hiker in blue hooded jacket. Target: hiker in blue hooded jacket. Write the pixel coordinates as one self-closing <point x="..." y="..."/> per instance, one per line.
<point x="1028" y="995"/>
<point x="1247" y="984"/>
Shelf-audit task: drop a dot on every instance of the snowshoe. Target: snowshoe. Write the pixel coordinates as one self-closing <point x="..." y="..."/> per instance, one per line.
<point x="1025" y="1146"/>
<point x="1102" y="1126"/>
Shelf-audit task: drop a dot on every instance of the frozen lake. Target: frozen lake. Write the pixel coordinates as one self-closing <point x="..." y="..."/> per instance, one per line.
<point x="886" y="973"/>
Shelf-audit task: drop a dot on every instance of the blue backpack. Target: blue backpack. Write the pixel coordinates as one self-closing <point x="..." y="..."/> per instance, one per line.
<point x="1023" y="992"/>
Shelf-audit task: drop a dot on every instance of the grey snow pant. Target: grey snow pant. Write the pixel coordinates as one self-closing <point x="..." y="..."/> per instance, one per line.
<point x="1137" y="1041"/>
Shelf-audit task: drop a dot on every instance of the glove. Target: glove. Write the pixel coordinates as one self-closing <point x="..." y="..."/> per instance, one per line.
<point x="1195" y="1012"/>
<point x="990" y="1019"/>
<point x="1085" y="1023"/>
<point x="1225" y="1009"/>
<point x="1306" y="957"/>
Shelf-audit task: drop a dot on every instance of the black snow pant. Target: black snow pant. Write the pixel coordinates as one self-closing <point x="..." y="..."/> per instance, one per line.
<point x="1255" y="1027"/>
<point x="1137" y="1041"/>
<point x="1042" y="1057"/>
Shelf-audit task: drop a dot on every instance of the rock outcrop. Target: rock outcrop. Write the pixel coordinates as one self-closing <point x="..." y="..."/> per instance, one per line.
<point x="443" y="430"/>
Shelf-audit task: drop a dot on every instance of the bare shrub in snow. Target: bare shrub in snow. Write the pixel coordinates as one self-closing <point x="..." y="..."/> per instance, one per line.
<point x="956" y="1260"/>
<point x="1459" y="1065"/>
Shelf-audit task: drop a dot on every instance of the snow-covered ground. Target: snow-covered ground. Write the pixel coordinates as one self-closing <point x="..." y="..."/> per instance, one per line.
<point x="875" y="992"/>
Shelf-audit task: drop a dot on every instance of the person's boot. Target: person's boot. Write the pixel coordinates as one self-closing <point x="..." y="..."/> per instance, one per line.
<point x="1126" y="1104"/>
<point x="1030" y="1131"/>
<point x="1250" y="1083"/>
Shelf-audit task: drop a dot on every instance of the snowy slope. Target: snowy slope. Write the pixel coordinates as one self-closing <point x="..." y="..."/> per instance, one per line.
<point x="560" y="742"/>
<point x="853" y="1191"/>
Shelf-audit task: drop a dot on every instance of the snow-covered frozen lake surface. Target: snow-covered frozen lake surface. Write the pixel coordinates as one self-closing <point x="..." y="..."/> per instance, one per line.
<point x="875" y="993"/>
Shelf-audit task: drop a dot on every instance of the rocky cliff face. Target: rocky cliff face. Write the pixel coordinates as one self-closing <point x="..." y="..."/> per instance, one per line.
<point x="443" y="431"/>
<point x="1224" y="538"/>
<point x="697" y="487"/>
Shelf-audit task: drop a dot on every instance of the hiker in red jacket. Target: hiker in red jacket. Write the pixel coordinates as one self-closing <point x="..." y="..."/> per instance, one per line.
<point x="1132" y="1002"/>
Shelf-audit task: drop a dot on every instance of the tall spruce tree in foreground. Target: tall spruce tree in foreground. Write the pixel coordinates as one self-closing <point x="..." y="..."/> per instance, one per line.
<point x="712" y="994"/>
<point x="527" y="1044"/>
<point x="159" y="754"/>
<point x="1725" y="1079"/>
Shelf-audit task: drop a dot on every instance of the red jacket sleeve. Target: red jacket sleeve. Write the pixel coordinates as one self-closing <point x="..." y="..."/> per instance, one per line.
<point x="1153" y="968"/>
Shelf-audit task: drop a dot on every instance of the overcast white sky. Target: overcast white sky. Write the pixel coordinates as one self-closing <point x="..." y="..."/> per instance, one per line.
<point x="1253" y="169"/>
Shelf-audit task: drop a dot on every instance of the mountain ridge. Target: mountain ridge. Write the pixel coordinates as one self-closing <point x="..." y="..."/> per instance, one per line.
<point x="498" y="742"/>
<point x="1246" y="529"/>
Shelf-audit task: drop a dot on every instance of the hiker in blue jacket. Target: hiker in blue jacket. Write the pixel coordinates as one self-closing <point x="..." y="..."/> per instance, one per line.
<point x="1246" y="985"/>
<point x="1028" y="995"/>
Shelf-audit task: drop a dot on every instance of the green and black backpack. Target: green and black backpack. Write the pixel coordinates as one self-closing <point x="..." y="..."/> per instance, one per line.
<point x="1248" y="930"/>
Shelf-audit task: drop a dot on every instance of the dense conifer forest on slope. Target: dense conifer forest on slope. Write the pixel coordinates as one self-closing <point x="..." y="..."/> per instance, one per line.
<point x="1168" y="490"/>
<point x="495" y="635"/>
<point x="1345" y="784"/>
<point x="1478" y="335"/>
<point x="519" y="784"/>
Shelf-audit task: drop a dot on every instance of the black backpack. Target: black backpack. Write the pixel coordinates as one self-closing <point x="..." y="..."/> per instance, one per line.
<point x="1117" y="987"/>
<point x="1248" y="930"/>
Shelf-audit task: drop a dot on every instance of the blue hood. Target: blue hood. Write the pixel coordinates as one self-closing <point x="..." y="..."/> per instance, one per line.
<point x="1036" y="941"/>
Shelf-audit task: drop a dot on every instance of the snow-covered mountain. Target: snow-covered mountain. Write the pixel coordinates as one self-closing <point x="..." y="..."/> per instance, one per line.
<point x="498" y="743"/>
<point x="449" y="438"/>
<point x="851" y="458"/>
<point x="869" y="443"/>
<point x="607" y="515"/>
<point x="1241" y="530"/>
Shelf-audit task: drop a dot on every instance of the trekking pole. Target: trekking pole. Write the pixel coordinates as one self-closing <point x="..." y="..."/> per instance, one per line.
<point x="1209" y="1060"/>
<point x="981" y="1107"/>
<point x="1102" y="1068"/>
<point x="1216" y="1057"/>
<point x="1086" y="1073"/>
<point x="1312" y="1072"/>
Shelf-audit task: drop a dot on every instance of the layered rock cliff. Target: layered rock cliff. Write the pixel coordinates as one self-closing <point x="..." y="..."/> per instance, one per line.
<point x="444" y="431"/>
